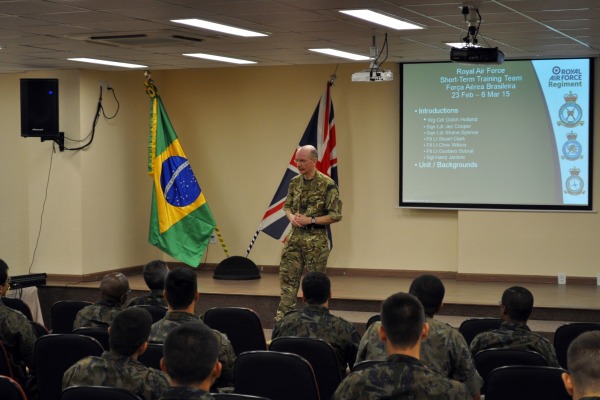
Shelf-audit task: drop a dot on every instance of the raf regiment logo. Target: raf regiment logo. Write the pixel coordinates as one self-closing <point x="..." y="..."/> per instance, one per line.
<point x="570" y="112"/>
<point x="572" y="148"/>
<point x="574" y="183"/>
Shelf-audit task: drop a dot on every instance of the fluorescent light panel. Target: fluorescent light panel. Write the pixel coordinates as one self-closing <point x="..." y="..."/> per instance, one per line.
<point x="213" y="26"/>
<point x="219" y="58"/>
<point x="460" y="45"/>
<point x="105" y="62"/>
<point x="343" y="54"/>
<point x="381" y="19"/>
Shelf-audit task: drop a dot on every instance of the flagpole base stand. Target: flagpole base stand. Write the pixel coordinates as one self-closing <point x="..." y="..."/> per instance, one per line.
<point x="236" y="268"/>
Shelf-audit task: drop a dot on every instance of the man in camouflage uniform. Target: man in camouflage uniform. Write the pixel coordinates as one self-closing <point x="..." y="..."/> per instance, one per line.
<point x="312" y="203"/>
<point x="315" y="321"/>
<point x="154" y="276"/>
<point x="181" y="291"/>
<point x="515" y="308"/>
<point x="444" y="349"/>
<point x="114" y="288"/>
<point x="119" y="367"/>
<point x="583" y="379"/>
<point x="402" y="375"/>
<point x="190" y="359"/>
<point x="16" y="333"/>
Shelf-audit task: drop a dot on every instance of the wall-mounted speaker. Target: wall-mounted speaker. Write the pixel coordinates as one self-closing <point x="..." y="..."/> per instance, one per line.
<point x="39" y="107"/>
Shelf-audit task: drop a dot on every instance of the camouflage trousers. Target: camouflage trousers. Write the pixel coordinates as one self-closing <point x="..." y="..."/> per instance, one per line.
<point x="304" y="248"/>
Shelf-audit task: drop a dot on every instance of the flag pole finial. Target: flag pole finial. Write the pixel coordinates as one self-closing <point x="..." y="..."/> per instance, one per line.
<point x="333" y="76"/>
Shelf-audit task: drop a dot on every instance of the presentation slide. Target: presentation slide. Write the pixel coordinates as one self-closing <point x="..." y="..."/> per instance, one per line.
<point x="514" y="136"/>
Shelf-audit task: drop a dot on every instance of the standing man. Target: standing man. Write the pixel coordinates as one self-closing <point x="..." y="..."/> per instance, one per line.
<point x="312" y="203"/>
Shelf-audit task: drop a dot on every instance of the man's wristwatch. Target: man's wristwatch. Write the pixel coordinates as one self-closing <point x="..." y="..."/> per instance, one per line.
<point x="313" y="220"/>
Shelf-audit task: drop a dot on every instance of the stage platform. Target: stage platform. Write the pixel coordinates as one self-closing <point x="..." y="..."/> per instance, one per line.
<point x="356" y="298"/>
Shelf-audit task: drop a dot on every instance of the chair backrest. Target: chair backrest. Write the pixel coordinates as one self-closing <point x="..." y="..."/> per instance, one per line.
<point x="365" y="364"/>
<point x="39" y="329"/>
<point x="19" y="305"/>
<point x="321" y="357"/>
<point x="487" y="360"/>
<point x="241" y="325"/>
<point x="157" y="312"/>
<point x="566" y="333"/>
<point x="10" y="389"/>
<point x="525" y="382"/>
<point x="372" y="319"/>
<point x="97" y="393"/>
<point x="98" y="333"/>
<point x="62" y="314"/>
<point x="5" y="366"/>
<point x="235" y="396"/>
<point x="152" y="355"/>
<point x="472" y="327"/>
<point x="54" y="354"/>
<point x="275" y="375"/>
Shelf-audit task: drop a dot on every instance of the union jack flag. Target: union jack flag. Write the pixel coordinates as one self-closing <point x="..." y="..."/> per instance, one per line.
<point x="320" y="133"/>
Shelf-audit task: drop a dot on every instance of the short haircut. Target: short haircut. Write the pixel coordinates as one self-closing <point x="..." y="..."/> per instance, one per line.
<point x="114" y="286"/>
<point x="402" y="319"/>
<point x="191" y="351"/>
<point x="518" y="302"/>
<point x="129" y="329"/>
<point x="3" y="272"/>
<point x="430" y="291"/>
<point x="181" y="286"/>
<point x="155" y="273"/>
<point x="582" y="358"/>
<point x="316" y="287"/>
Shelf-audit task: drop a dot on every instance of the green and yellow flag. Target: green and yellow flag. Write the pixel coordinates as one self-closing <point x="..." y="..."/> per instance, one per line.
<point x="180" y="221"/>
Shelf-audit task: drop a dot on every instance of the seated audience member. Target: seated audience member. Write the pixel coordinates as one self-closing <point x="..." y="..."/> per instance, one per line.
<point x="516" y="306"/>
<point x="181" y="292"/>
<point x="191" y="360"/>
<point x="114" y="288"/>
<point x="16" y="333"/>
<point x="154" y="276"/>
<point x="402" y="375"/>
<point x="444" y="349"/>
<point x="315" y="321"/>
<point x="119" y="367"/>
<point x="583" y="357"/>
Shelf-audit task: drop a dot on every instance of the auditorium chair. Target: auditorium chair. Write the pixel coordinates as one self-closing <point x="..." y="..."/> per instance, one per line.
<point x="98" y="333"/>
<point x="151" y="357"/>
<point x="157" y="312"/>
<point x="526" y="382"/>
<point x="10" y="389"/>
<point x="241" y="325"/>
<point x="275" y="375"/>
<point x="235" y="396"/>
<point x="5" y="366"/>
<point x="97" y="393"/>
<point x="62" y="314"/>
<point x="372" y="320"/>
<point x="321" y="356"/>
<point x="472" y="327"/>
<point x="565" y="334"/>
<point x="19" y="305"/>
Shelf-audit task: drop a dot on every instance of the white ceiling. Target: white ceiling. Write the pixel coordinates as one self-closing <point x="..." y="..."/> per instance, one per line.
<point x="37" y="34"/>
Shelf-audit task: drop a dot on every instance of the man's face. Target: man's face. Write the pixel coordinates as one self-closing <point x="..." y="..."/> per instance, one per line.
<point x="306" y="164"/>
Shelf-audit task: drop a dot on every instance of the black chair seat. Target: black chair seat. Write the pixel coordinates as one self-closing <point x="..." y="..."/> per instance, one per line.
<point x="157" y="312"/>
<point x="100" y="334"/>
<point x="62" y="314"/>
<point x="10" y="389"/>
<point x="241" y="325"/>
<point x="526" y="383"/>
<point x="19" y="305"/>
<point x="97" y="393"/>
<point x="151" y="357"/>
<point x="566" y="333"/>
<point x="472" y="327"/>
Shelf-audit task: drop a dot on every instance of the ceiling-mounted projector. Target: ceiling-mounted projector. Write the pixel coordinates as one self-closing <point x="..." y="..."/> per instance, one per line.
<point x="477" y="55"/>
<point x="368" y="75"/>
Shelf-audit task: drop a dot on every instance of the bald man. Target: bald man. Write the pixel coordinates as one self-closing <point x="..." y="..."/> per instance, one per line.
<point x="312" y="203"/>
<point x="114" y="288"/>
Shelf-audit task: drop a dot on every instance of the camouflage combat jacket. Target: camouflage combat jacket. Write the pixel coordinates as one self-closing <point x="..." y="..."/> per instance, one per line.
<point x="314" y="198"/>
<point x="118" y="371"/>
<point x="315" y="321"/>
<point x="97" y="315"/>
<point x="185" y="393"/>
<point x="154" y="298"/>
<point x="515" y="335"/>
<point x="18" y="338"/>
<point x="399" y="377"/>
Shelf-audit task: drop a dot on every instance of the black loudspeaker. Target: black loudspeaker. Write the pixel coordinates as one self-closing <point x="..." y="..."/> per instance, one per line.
<point x="39" y="108"/>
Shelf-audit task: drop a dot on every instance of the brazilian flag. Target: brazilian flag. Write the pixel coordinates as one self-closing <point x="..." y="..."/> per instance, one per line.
<point x="180" y="221"/>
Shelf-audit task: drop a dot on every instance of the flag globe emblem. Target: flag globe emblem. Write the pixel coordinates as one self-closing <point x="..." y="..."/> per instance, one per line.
<point x="178" y="182"/>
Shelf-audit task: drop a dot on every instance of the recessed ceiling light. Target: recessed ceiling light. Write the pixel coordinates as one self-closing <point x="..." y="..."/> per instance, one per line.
<point x="343" y="54"/>
<point x="105" y="62"/>
<point x="219" y="58"/>
<point x="380" y="18"/>
<point x="213" y="26"/>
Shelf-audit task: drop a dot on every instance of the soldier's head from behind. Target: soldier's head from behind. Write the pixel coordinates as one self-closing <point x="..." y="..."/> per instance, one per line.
<point x="583" y="379"/>
<point x="190" y="356"/>
<point x="155" y="273"/>
<point x="430" y="291"/>
<point x="4" y="281"/>
<point x="403" y="324"/>
<point x="129" y="332"/>
<point x="181" y="288"/>
<point x="316" y="288"/>
<point x="115" y="287"/>
<point x="516" y="304"/>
